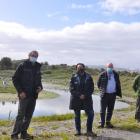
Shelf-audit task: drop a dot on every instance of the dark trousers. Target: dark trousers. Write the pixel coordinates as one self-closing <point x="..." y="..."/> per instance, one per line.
<point x="137" y="114"/>
<point x="107" y="102"/>
<point x="90" y="116"/>
<point x="25" y="111"/>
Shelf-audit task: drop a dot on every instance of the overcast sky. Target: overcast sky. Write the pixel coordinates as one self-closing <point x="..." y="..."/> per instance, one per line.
<point x="70" y="31"/>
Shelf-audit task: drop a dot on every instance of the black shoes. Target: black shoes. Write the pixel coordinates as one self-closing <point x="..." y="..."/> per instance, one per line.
<point x="78" y="133"/>
<point x="101" y="126"/>
<point x="14" y="137"/>
<point x="26" y="136"/>
<point x="109" y="125"/>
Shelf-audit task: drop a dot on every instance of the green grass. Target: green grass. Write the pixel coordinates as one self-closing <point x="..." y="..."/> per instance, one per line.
<point x="128" y="124"/>
<point x="9" y="89"/>
<point x="48" y="95"/>
<point x="4" y="122"/>
<point x="5" y="137"/>
<point x="53" y="118"/>
<point x="42" y="95"/>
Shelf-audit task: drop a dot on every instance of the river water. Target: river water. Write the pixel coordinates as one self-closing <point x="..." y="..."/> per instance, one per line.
<point x="45" y="107"/>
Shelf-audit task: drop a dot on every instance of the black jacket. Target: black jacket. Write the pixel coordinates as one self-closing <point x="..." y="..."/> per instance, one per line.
<point x="27" y="78"/>
<point x="78" y="87"/>
<point x="103" y="80"/>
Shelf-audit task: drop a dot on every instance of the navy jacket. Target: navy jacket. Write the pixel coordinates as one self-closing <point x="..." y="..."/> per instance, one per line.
<point x="78" y="87"/>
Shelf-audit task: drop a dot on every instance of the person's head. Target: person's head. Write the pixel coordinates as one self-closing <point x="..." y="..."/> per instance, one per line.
<point x="109" y="67"/>
<point x="33" y="55"/>
<point x="80" y="67"/>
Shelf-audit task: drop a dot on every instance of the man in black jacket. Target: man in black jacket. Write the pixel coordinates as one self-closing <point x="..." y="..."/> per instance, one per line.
<point x="109" y="85"/>
<point x="27" y="81"/>
<point x="81" y="89"/>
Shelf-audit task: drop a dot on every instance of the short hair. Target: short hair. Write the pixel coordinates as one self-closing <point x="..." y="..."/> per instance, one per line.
<point x="33" y="52"/>
<point x="80" y="64"/>
<point x="109" y="65"/>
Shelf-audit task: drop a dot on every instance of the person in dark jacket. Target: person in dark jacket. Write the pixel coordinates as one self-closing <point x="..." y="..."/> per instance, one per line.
<point x="110" y="87"/>
<point x="81" y="89"/>
<point x="136" y="88"/>
<point x="27" y="81"/>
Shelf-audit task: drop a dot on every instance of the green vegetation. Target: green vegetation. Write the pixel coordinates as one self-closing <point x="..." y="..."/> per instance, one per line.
<point x="4" y="122"/>
<point x="47" y="95"/>
<point x="128" y="124"/>
<point x="8" y="89"/>
<point x="53" y="118"/>
<point x="42" y="95"/>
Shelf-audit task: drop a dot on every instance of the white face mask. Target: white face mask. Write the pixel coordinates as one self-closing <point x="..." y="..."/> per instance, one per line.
<point x="33" y="59"/>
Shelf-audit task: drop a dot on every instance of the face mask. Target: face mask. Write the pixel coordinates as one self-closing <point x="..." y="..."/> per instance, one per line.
<point x="81" y="70"/>
<point x="109" y="70"/>
<point x="33" y="59"/>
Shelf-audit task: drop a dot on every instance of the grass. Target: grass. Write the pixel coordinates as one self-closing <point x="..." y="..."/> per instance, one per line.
<point x="4" y="137"/>
<point x="48" y="95"/>
<point x="128" y="124"/>
<point x="53" y="118"/>
<point x="42" y="95"/>
<point x="9" y="89"/>
<point x="4" y="123"/>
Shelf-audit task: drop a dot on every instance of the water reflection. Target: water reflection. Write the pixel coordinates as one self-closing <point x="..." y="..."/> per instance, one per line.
<point x="4" y="102"/>
<point x="45" y="107"/>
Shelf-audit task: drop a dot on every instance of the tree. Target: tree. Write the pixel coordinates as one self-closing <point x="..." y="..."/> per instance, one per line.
<point x="6" y="63"/>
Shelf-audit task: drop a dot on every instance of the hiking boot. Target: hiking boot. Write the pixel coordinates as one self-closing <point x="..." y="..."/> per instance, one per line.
<point x="14" y="137"/>
<point x="91" y="134"/>
<point x="138" y="120"/>
<point x="109" y="125"/>
<point x="78" y="133"/>
<point x="101" y="126"/>
<point x="26" y="136"/>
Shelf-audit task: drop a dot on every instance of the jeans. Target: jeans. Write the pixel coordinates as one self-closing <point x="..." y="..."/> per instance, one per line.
<point x="90" y="116"/>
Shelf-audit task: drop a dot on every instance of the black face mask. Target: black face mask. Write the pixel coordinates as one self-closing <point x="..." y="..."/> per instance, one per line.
<point x="81" y="71"/>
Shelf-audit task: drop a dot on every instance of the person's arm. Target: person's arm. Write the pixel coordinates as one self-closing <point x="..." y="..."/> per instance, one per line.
<point x="91" y="87"/>
<point x="72" y="88"/>
<point x="119" y="86"/>
<point x="17" y="78"/>
<point x="135" y="83"/>
<point x="99" y="82"/>
<point x="39" y="87"/>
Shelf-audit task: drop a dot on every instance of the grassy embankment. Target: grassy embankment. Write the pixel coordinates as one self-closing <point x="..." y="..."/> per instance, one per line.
<point x="8" y="93"/>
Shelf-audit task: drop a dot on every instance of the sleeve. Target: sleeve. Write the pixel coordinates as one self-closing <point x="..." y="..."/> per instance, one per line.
<point x="17" y="78"/>
<point x="72" y="88"/>
<point x="135" y="83"/>
<point x="91" y="87"/>
<point x="119" y="84"/>
<point x="40" y="83"/>
<point x="39" y="79"/>
<point x="99" y="82"/>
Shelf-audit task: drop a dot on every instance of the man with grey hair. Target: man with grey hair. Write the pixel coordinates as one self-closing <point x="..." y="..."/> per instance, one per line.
<point x="27" y="81"/>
